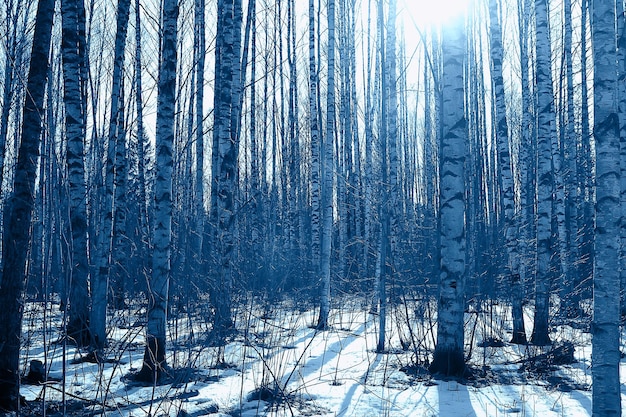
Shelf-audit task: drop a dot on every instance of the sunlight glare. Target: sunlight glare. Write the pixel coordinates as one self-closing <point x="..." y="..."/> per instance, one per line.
<point x="426" y="13"/>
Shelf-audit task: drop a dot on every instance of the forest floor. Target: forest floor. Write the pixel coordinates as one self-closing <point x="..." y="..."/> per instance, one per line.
<point x="277" y="365"/>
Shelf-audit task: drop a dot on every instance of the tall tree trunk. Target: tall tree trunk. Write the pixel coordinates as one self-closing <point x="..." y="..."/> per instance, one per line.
<point x="448" y="358"/>
<point x="368" y="171"/>
<point x="99" y="281"/>
<point x="527" y="157"/>
<point x="198" y="193"/>
<point x="606" y="397"/>
<point x="327" y="175"/>
<point x="383" y="208"/>
<point x="585" y="170"/>
<point x="389" y="155"/>
<point x="154" y="360"/>
<point x="506" y="173"/>
<point x="18" y="211"/>
<point x="293" y="168"/>
<point x="73" y="41"/>
<point x="224" y="170"/>
<point x="571" y="151"/>
<point x="255" y="181"/>
<point x="391" y="97"/>
<point x="315" y="147"/>
<point x="546" y="130"/>
<point x="621" y="62"/>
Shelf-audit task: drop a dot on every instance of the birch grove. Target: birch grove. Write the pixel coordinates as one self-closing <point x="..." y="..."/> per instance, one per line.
<point x="185" y="167"/>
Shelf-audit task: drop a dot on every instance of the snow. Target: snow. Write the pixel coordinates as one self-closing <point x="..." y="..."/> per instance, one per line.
<point x="330" y="373"/>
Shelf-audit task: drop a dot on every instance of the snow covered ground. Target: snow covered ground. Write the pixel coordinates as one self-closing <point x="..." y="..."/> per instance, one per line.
<point x="282" y="367"/>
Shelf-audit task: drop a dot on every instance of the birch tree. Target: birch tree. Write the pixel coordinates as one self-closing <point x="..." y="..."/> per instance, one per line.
<point x="224" y="169"/>
<point x="546" y="130"/>
<point x="154" y="360"/>
<point x="389" y="165"/>
<point x="448" y="358"/>
<point x="585" y="165"/>
<point x="99" y="282"/>
<point x="571" y="151"/>
<point x="383" y="209"/>
<point x="73" y="52"/>
<point x="18" y="211"/>
<point x="506" y="171"/>
<point x="606" y="397"/>
<point x="527" y="153"/>
<point x="327" y="175"/>
<point x="315" y="146"/>
<point x="199" y="59"/>
<point x="621" y="62"/>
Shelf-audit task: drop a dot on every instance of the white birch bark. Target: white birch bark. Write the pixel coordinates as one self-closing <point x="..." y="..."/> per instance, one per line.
<point x="586" y="166"/>
<point x="383" y="202"/>
<point x="100" y="279"/>
<point x="571" y="153"/>
<point x="198" y="190"/>
<point x="315" y="147"/>
<point x="571" y="150"/>
<point x="506" y="172"/>
<point x="255" y="182"/>
<point x="18" y="211"/>
<point x="368" y="162"/>
<point x="448" y="358"/>
<point x="606" y="397"/>
<point x="621" y="61"/>
<point x="391" y="96"/>
<point x="546" y="129"/>
<point x="327" y="175"/>
<point x="226" y="99"/>
<point x="154" y="361"/>
<point x="75" y="130"/>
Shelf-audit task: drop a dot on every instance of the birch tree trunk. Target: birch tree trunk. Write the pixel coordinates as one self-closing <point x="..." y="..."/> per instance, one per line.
<point x="224" y="170"/>
<point x="368" y="178"/>
<point x="18" y="211"/>
<point x="506" y="173"/>
<point x="255" y="162"/>
<point x="327" y="175"/>
<point x="154" y="360"/>
<point x="73" y="41"/>
<point x="383" y="208"/>
<point x="99" y="281"/>
<point x="545" y="131"/>
<point x="315" y="147"/>
<point x="585" y="170"/>
<point x="606" y="397"/>
<point x="448" y="358"/>
<point x="527" y="158"/>
<point x="571" y="151"/>
<point x="198" y="195"/>
<point x="391" y="97"/>
<point x="621" y="62"/>
<point x="389" y="155"/>
<point x="570" y="157"/>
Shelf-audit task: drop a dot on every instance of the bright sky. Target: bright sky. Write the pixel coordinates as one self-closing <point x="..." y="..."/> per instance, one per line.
<point x="431" y="12"/>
